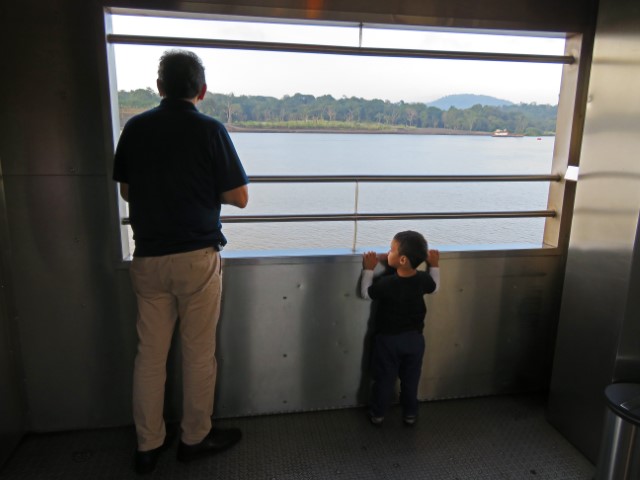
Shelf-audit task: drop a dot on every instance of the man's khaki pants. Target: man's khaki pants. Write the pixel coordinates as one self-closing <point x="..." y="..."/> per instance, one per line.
<point x="184" y="288"/>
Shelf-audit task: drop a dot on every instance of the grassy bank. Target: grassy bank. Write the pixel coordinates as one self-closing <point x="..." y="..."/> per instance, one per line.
<point x="340" y="127"/>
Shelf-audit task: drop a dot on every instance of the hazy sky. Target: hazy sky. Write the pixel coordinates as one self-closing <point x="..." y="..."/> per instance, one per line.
<point x="278" y="74"/>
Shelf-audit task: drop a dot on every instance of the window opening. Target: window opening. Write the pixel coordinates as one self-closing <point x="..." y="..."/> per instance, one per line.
<point x="380" y="110"/>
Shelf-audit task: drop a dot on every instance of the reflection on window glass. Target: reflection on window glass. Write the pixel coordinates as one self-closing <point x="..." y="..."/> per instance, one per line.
<point x="234" y="30"/>
<point x="327" y="114"/>
<point x="461" y="42"/>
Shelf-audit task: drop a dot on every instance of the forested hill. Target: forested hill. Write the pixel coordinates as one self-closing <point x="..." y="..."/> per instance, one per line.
<point x="301" y="111"/>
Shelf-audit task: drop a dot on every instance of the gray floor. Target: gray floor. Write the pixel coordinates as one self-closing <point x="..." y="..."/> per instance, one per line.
<point x="503" y="437"/>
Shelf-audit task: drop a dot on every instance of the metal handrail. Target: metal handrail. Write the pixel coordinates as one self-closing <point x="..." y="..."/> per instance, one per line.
<point x="400" y="178"/>
<point x="337" y="217"/>
<point x="336" y="50"/>
<point x="345" y="217"/>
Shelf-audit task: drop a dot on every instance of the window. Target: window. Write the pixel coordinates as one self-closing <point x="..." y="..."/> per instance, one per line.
<point x="390" y="122"/>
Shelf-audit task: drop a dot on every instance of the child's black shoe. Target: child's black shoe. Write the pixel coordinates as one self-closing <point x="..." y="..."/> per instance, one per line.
<point x="377" y="421"/>
<point x="410" y="420"/>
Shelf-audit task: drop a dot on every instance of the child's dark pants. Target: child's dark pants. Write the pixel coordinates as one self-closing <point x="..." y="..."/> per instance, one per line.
<point x="396" y="356"/>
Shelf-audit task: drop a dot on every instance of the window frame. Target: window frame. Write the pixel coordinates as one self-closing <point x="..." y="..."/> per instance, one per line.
<point x="565" y="153"/>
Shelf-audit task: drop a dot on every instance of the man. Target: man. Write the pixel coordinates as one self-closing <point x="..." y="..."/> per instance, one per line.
<point x="176" y="166"/>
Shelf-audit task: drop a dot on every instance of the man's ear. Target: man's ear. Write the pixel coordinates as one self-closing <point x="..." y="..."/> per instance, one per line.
<point x="160" y="87"/>
<point x="203" y="90"/>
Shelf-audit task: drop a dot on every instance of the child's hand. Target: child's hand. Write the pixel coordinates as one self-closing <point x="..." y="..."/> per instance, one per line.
<point x="433" y="257"/>
<point x="369" y="260"/>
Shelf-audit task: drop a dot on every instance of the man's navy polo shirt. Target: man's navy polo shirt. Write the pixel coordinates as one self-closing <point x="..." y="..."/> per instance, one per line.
<point x="177" y="162"/>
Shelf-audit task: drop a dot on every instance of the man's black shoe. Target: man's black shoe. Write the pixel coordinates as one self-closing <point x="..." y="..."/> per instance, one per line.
<point x="218" y="440"/>
<point x="145" y="462"/>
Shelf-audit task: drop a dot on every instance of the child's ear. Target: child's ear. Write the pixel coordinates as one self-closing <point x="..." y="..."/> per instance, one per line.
<point x="403" y="260"/>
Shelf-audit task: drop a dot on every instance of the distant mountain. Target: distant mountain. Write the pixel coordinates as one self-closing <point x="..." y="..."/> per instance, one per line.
<point x="467" y="100"/>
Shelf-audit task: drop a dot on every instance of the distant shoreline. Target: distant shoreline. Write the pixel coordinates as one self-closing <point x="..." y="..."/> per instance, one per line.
<point x="396" y="131"/>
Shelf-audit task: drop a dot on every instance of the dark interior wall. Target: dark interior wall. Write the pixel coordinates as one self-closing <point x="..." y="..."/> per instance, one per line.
<point x="541" y="15"/>
<point x="597" y="341"/>
<point x="13" y="412"/>
<point x="55" y="145"/>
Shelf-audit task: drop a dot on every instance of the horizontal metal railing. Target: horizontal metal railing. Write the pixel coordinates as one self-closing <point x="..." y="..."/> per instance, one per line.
<point x="400" y="178"/>
<point x="336" y="50"/>
<point x="336" y="217"/>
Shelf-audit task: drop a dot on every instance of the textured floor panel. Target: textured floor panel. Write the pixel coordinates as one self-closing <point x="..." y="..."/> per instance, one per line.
<point x="493" y="438"/>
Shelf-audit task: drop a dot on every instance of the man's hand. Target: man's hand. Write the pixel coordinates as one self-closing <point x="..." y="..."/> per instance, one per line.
<point x="124" y="191"/>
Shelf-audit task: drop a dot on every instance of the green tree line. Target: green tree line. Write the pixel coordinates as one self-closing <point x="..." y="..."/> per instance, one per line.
<point x="309" y="111"/>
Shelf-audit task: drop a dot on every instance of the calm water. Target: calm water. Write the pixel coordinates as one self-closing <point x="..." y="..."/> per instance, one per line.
<point x="385" y="154"/>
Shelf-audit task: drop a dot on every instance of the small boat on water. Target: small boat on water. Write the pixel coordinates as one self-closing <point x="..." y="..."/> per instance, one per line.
<point x="506" y="133"/>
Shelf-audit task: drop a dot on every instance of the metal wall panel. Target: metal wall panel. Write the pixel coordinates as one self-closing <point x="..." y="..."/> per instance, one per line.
<point x="600" y="301"/>
<point x="76" y="313"/>
<point x="53" y="118"/>
<point x="13" y="411"/>
<point x="294" y="335"/>
<point x="627" y="367"/>
<point x="492" y="330"/>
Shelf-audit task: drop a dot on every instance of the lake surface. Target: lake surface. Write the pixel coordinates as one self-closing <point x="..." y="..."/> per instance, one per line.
<point x="389" y="154"/>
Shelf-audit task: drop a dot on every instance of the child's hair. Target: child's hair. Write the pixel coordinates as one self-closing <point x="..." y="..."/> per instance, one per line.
<point x="413" y="246"/>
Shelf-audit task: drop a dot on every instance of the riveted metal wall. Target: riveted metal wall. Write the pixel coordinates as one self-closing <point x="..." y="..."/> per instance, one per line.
<point x="294" y="334"/>
<point x="292" y="330"/>
<point x="599" y="325"/>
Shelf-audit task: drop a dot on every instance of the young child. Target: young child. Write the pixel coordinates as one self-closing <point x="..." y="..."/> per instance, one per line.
<point x="398" y="319"/>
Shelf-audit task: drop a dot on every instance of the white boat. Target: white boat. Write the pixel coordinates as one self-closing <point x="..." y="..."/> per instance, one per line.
<point x="506" y="133"/>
